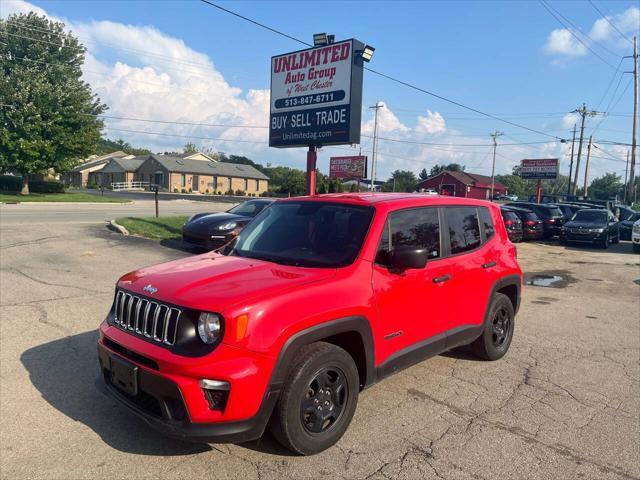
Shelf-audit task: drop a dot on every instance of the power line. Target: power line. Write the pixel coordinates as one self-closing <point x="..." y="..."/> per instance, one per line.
<point x="388" y="77"/>
<point x="576" y="29"/>
<point x="170" y="122"/>
<point x="551" y="10"/>
<point x="162" y="134"/>
<point x="610" y="22"/>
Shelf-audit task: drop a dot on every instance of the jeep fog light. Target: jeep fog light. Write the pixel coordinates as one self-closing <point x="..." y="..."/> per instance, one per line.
<point x="216" y="392"/>
<point x="209" y="327"/>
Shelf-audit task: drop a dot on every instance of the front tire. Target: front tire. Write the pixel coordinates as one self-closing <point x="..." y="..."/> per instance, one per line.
<point x="605" y="241"/>
<point x="318" y="401"/>
<point x="617" y="237"/>
<point x="496" y="337"/>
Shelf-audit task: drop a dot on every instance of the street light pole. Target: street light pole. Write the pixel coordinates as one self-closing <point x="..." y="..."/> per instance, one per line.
<point x="374" y="156"/>
<point x="494" y="135"/>
<point x="571" y="164"/>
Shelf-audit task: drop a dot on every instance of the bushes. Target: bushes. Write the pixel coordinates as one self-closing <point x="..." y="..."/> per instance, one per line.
<point x="46" y="186"/>
<point x="229" y="192"/>
<point x="240" y="193"/>
<point x="10" y="183"/>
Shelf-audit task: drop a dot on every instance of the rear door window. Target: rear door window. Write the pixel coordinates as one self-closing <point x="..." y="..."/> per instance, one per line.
<point x="417" y="227"/>
<point x="487" y="222"/>
<point x="464" y="229"/>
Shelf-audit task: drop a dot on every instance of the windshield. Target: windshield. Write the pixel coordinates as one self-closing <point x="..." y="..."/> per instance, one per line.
<point x="306" y="234"/>
<point x="249" y="209"/>
<point x="599" y="216"/>
<point x="634" y="217"/>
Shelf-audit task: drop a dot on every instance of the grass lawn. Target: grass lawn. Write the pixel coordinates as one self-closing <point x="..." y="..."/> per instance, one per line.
<point x="162" y="228"/>
<point x="58" y="197"/>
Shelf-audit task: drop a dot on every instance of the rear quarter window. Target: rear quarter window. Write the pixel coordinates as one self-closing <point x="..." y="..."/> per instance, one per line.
<point x="464" y="229"/>
<point x="487" y="222"/>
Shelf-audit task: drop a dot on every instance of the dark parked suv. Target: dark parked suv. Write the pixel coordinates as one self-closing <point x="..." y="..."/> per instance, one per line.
<point x="597" y="226"/>
<point x="552" y="217"/>
<point x="513" y="224"/>
<point x="532" y="228"/>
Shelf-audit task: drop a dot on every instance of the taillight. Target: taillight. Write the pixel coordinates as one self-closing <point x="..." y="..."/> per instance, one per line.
<point x="551" y="220"/>
<point x="530" y="223"/>
<point x="508" y="223"/>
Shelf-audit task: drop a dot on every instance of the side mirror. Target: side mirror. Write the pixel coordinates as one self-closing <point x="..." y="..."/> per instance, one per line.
<point x="405" y="257"/>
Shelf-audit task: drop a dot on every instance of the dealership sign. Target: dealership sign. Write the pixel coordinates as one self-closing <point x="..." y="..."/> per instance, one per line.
<point x="316" y="96"/>
<point x="348" y="168"/>
<point x="539" y="169"/>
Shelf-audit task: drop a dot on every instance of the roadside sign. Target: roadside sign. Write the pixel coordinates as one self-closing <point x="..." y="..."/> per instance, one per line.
<point x="348" y="167"/>
<point x="539" y="169"/>
<point x="316" y="96"/>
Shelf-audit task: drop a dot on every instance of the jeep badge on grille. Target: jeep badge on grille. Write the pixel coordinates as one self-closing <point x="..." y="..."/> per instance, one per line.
<point x="150" y="289"/>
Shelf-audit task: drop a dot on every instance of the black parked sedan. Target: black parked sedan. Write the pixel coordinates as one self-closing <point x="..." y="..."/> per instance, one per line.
<point x="211" y="231"/>
<point x="597" y="226"/>
<point x="513" y="224"/>
<point x="532" y="227"/>
<point x="552" y="217"/>
<point x="626" y="226"/>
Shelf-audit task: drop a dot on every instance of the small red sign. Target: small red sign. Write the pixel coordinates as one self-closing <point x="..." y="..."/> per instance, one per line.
<point x="348" y="167"/>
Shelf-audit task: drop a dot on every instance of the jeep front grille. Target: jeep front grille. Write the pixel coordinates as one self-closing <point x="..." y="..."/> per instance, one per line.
<point x="145" y="317"/>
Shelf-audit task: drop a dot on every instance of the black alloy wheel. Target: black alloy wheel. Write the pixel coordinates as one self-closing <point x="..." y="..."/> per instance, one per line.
<point x="318" y="399"/>
<point x="324" y="400"/>
<point x="498" y="329"/>
<point x="501" y="326"/>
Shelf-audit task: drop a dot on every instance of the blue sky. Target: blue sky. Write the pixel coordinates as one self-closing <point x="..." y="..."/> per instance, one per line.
<point x="499" y="57"/>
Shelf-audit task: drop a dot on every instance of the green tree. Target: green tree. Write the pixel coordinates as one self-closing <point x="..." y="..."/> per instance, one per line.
<point x="400" y="181"/>
<point x="605" y="187"/>
<point x="451" y="167"/>
<point x="286" y="180"/>
<point x="190" y="148"/>
<point x="106" y="146"/>
<point x="423" y="175"/>
<point x="515" y="185"/>
<point x="48" y="119"/>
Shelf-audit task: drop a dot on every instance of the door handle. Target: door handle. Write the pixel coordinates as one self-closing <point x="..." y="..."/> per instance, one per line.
<point x="489" y="265"/>
<point x="442" y="278"/>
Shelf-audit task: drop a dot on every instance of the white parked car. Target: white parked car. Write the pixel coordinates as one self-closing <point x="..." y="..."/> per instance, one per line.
<point x="635" y="236"/>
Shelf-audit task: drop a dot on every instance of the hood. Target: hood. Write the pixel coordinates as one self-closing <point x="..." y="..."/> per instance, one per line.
<point x="210" y="221"/>
<point x="585" y="225"/>
<point x="215" y="282"/>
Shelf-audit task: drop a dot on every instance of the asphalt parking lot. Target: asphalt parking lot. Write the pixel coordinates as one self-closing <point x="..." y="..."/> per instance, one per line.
<point x="563" y="403"/>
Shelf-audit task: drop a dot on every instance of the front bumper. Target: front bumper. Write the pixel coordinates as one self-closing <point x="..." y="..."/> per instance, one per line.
<point x="635" y="238"/>
<point x="591" y="237"/>
<point x="206" y="242"/>
<point x="175" y="405"/>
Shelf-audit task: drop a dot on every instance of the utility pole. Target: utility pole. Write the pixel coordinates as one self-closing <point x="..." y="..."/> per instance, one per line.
<point x="632" y="167"/>
<point x="626" y="168"/>
<point x="571" y="164"/>
<point x="494" y="135"/>
<point x="374" y="156"/>
<point x="586" y="169"/>
<point x="583" y="112"/>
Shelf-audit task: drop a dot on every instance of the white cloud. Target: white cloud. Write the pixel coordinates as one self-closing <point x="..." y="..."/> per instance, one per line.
<point x="562" y="42"/>
<point x="628" y="22"/>
<point x="432" y="123"/>
<point x="10" y="7"/>
<point x="569" y="120"/>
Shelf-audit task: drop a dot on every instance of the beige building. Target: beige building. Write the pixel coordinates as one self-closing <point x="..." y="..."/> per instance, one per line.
<point x="199" y="173"/>
<point x="118" y="170"/>
<point x="80" y="175"/>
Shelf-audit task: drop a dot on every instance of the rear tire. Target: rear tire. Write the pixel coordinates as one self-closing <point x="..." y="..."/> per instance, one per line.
<point x="496" y="337"/>
<point x="617" y="237"/>
<point x="636" y="248"/>
<point x="318" y="401"/>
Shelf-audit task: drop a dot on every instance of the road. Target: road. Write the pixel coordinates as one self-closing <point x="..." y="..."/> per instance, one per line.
<point x="79" y="213"/>
<point x="563" y="404"/>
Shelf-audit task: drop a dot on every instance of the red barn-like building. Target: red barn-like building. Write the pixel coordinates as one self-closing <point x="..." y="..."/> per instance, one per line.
<point x="462" y="184"/>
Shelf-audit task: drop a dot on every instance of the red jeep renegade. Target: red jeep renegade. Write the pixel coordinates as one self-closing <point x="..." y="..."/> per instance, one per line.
<point x="319" y="298"/>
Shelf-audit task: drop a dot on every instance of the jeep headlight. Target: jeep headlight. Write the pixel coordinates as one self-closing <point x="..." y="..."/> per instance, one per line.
<point x="209" y="327"/>
<point x="228" y="226"/>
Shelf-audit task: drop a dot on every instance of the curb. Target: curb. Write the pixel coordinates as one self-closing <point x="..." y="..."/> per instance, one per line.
<point x="116" y="227"/>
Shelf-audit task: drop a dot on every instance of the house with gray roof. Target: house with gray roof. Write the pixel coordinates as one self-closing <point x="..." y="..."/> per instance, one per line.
<point x="80" y="175"/>
<point x="193" y="173"/>
<point x="118" y="170"/>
